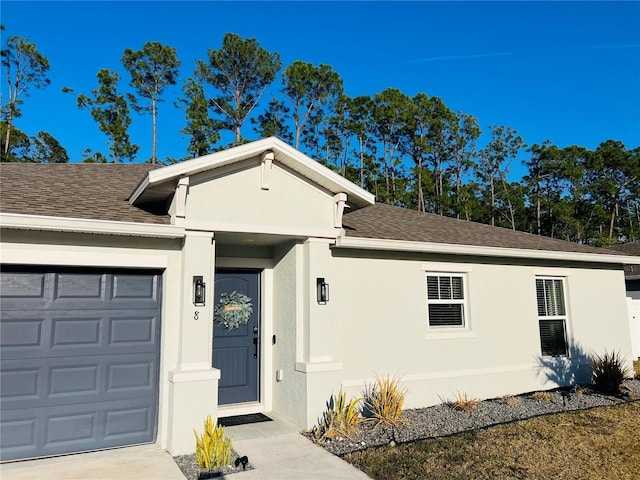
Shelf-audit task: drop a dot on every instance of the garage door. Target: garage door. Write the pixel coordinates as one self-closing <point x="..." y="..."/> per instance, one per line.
<point x="79" y="353"/>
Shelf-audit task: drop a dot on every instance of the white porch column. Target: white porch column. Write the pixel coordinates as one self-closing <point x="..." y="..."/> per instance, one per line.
<point x="193" y="384"/>
<point x="318" y="364"/>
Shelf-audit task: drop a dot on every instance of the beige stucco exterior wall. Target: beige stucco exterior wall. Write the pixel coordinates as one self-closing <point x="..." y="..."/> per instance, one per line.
<point x="378" y="317"/>
<point x="236" y="199"/>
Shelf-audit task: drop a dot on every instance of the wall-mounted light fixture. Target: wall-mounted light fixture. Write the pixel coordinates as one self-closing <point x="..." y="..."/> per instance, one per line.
<point x="322" y="290"/>
<point x="199" y="291"/>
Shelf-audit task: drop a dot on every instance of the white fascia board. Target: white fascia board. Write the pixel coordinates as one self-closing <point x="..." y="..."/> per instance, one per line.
<point x="218" y="227"/>
<point x="296" y="159"/>
<point x="81" y="225"/>
<point x="448" y="248"/>
<point x="319" y="172"/>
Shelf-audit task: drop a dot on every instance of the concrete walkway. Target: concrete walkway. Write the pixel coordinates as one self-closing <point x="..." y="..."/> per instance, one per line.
<point x="140" y="462"/>
<point x="275" y="449"/>
<point x="278" y="452"/>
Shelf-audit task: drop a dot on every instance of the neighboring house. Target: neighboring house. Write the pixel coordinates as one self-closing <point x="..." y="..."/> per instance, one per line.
<point x="632" y="283"/>
<point x="110" y="275"/>
<point x="631" y="272"/>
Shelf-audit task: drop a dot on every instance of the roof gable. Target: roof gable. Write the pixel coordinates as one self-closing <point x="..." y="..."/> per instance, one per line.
<point x="160" y="184"/>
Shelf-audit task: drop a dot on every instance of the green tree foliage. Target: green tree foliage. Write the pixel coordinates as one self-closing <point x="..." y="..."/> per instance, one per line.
<point x="239" y="71"/>
<point x="391" y="114"/>
<point x="203" y="131"/>
<point x="493" y="167"/>
<point x="308" y="88"/>
<point x="24" y="68"/>
<point x="613" y="173"/>
<point x="409" y="151"/>
<point x="462" y="154"/>
<point x="41" y="148"/>
<point x="46" y="149"/>
<point x="273" y="122"/>
<point x="152" y="69"/>
<point x="109" y="108"/>
<point x="19" y="144"/>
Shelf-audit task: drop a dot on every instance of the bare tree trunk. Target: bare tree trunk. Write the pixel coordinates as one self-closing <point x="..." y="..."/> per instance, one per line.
<point x="493" y="201"/>
<point x="238" y="134"/>
<point x="421" y="207"/>
<point x="512" y="218"/>
<point x="614" y="213"/>
<point x="8" y="135"/>
<point x="153" y="121"/>
<point x="538" y="211"/>
<point x="361" y="162"/>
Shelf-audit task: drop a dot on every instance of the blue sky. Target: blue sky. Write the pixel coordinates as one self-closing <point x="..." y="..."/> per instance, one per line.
<point x="567" y="72"/>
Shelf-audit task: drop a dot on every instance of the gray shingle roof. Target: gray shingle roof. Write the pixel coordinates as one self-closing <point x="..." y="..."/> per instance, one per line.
<point x="77" y="190"/>
<point x="632" y="248"/>
<point x="395" y="223"/>
<point x="101" y="192"/>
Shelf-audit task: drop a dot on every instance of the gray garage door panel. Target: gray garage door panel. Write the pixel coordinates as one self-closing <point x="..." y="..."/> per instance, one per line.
<point x="80" y="359"/>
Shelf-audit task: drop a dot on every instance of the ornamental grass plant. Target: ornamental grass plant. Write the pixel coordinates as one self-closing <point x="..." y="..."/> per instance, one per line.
<point x="339" y="419"/>
<point x="213" y="448"/>
<point x="383" y="401"/>
<point x="608" y="371"/>
<point x="464" y="403"/>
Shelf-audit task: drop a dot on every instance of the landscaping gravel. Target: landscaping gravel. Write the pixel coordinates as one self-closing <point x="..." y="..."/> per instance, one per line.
<point x="191" y="470"/>
<point x="442" y="420"/>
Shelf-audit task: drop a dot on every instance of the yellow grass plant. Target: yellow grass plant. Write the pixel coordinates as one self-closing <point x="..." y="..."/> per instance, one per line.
<point x="213" y="448"/>
<point x="339" y="419"/>
<point x="383" y="400"/>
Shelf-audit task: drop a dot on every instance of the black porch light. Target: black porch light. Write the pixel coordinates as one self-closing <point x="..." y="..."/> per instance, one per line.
<point x="322" y="291"/>
<point x="199" y="291"/>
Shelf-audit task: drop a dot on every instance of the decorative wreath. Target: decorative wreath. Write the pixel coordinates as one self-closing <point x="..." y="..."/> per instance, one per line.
<point x="233" y="310"/>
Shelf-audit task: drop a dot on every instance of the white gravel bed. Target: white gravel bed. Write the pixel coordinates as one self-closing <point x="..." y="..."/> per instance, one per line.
<point x="442" y="420"/>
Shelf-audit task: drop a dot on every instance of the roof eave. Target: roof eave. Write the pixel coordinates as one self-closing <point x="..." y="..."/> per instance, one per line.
<point x="81" y="225"/>
<point x="475" y="250"/>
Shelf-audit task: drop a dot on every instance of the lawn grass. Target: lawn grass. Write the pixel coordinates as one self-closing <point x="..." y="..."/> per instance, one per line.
<point x="602" y="443"/>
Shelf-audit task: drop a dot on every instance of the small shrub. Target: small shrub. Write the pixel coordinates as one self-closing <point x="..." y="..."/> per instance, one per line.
<point x="339" y="419"/>
<point x="383" y="401"/>
<point x="579" y="390"/>
<point x="608" y="371"/>
<point x="213" y="448"/>
<point x="511" y="401"/>
<point x="463" y="403"/>
<point x="541" y="396"/>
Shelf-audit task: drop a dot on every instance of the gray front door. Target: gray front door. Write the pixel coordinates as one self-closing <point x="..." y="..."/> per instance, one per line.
<point x="237" y="352"/>
<point x="79" y="354"/>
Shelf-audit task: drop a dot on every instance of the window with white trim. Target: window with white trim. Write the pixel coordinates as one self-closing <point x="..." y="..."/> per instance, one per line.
<point x="552" y="316"/>
<point x="446" y="303"/>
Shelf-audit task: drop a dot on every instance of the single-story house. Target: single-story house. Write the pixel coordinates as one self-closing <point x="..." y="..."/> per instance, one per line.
<point x="138" y="299"/>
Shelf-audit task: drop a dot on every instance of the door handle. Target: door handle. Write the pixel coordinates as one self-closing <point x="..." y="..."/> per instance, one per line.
<point x="255" y="347"/>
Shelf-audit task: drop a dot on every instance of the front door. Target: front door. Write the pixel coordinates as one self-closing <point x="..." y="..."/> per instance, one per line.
<point x="236" y="348"/>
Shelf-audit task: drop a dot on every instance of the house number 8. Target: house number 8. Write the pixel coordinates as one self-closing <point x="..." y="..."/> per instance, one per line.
<point x="196" y="315"/>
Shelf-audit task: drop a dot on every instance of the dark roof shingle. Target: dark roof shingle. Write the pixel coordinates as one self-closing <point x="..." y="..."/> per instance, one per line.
<point x="95" y="191"/>
<point x="632" y="248"/>
<point x="395" y="223"/>
<point x="101" y="192"/>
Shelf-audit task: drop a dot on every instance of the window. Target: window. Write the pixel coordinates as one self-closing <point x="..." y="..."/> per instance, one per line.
<point x="552" y="316"/>
<point x="445" y="300"/>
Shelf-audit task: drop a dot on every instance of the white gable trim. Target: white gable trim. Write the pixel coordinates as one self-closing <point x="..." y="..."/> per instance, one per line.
<point x="282" y="153"/>
<point x="447" y="248"/>
<point x="81" y="225"/>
